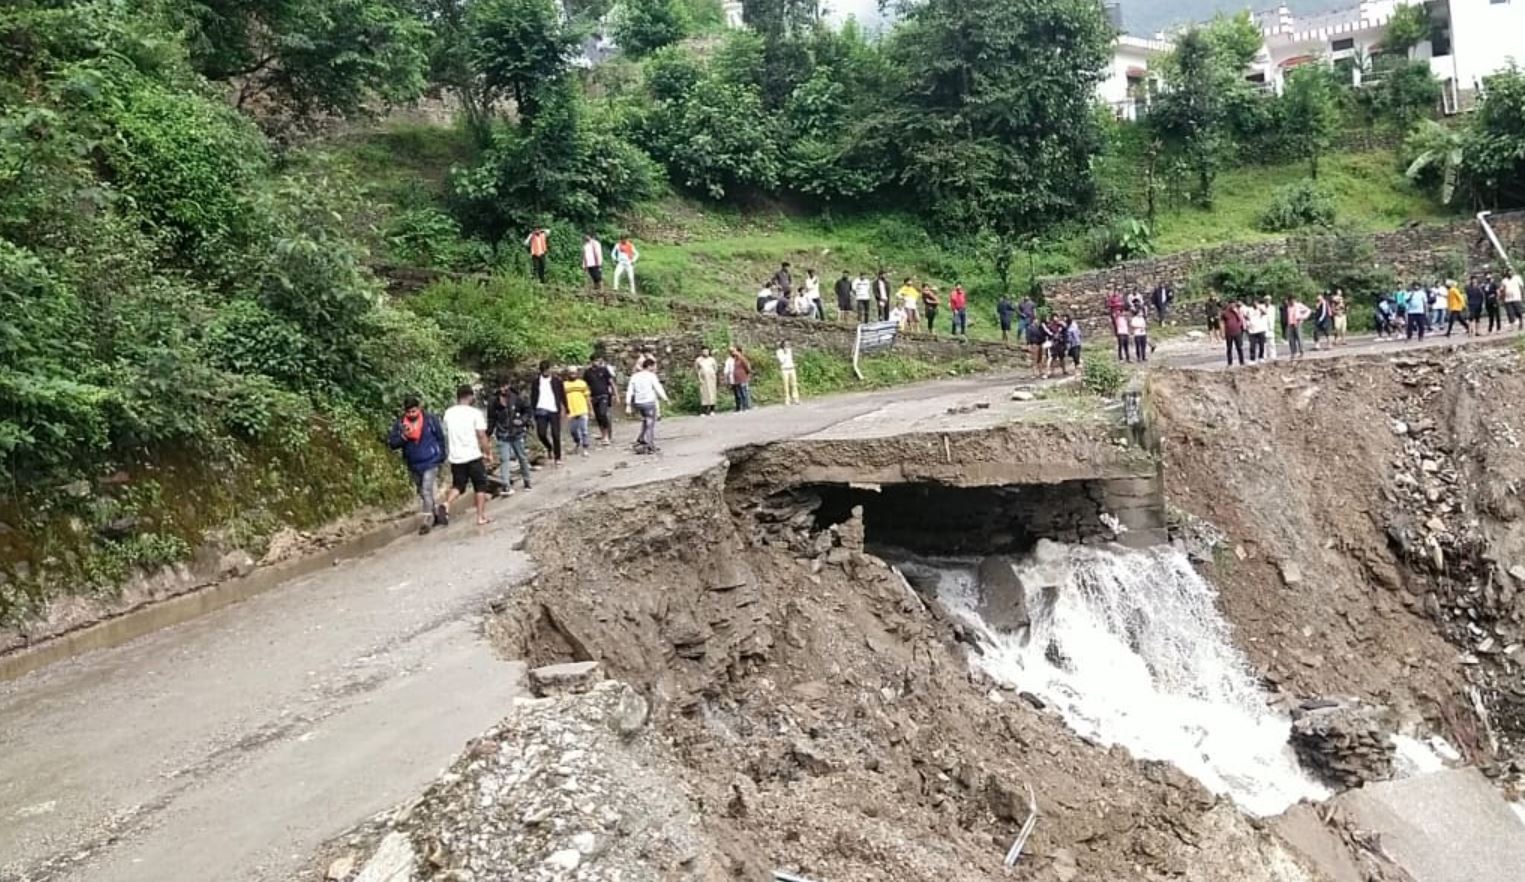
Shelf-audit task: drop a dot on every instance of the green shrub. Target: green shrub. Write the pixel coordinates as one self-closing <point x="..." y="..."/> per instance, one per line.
<point x="1122" y="239"/>
<point x="1296" y="206"/>
<point x="1102" y="376"/>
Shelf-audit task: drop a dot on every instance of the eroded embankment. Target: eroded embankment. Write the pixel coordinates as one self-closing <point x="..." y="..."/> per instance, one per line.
<point x="1375" y="542"/>
<point x="809" y="710"/>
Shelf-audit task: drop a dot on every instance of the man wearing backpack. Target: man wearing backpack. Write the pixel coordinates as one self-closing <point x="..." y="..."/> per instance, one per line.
<point x="421" y="439"/>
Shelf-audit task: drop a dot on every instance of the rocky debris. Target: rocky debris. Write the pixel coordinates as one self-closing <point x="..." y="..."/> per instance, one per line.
<point x="1003" y="597"/>
<point x="1344" y="741"/>
<point x="1197" y="537"/>
<point x="560" y="790"/>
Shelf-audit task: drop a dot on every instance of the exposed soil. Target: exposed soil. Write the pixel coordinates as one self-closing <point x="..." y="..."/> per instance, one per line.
<point x="1373" y="521"/>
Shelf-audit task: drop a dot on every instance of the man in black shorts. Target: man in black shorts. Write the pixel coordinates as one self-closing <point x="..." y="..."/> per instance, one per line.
<point x="600" y="380"/>
<point x="468" y="451"/>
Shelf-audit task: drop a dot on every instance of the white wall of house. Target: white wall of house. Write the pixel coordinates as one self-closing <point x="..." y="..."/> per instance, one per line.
<point x="1125" y="87"/>
<point x="1485" y="35"/>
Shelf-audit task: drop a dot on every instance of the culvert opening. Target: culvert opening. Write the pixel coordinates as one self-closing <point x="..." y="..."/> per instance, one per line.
<point x="927" y="518"/>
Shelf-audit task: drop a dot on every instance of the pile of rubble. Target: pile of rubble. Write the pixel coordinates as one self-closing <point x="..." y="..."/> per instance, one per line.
<point x="1344" y="741"/>
<point x="562" y="789"/>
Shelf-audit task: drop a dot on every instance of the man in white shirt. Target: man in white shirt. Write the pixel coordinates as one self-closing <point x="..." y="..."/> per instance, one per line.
<point x="468" y="451"/>
<point x="625" y="258"/>
<point x="1513" y="292"/>
<point x="548" y="398"/>
<point x="593" y="260"/>
<point x="785" y="357"/>
<point x="644" y="393"/>
<point x="863" y="295"/>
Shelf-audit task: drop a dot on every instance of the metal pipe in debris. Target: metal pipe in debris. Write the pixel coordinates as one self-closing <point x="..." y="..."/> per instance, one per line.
<point x="1015" y="851"/>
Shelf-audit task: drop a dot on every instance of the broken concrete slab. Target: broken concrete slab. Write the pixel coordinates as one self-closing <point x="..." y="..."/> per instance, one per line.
<point x="568" y="677"/>
<point x="1302" y="829"/>
<point x="1450" y="826"/>
<point x="393" y="861"/>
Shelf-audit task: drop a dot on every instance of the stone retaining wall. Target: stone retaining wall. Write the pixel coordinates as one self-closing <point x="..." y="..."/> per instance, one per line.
<point x="1415" y="251"/>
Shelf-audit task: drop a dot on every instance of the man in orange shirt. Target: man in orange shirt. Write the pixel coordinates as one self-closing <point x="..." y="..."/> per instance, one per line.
<point x="538" y="243"/>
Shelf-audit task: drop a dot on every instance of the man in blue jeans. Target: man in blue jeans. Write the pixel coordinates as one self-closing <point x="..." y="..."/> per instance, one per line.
<point x="421" y="439"/>
<point x="644" y="393"/>
<point x="508" y="419"/>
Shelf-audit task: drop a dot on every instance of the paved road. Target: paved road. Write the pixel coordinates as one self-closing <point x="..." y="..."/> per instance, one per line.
<point x="229" y="747"/>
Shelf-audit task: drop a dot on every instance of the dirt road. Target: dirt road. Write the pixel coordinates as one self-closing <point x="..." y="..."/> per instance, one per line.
<point x="229" y="747"/>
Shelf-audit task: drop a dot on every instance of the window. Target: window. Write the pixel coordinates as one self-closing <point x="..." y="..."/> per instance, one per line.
<point x="1342" y="45"/>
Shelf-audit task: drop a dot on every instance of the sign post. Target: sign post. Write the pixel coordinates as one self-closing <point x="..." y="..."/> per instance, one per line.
<point x="873" y="337"/>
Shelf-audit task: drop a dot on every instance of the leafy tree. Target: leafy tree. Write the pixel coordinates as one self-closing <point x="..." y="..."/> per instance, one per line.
<point x="303" y="58"/>
<point x="1409" y="26"/>
<point x="1434" y="153"/>
<point x="562" y="164"/>
<point x="519" y="48"/>
<point x="992" y="128"/>
<point x="1492" y="157"/>
<point x="1310" y="114"/>
<point x="716" y="139"/>
<point x="643" y="26"/>
<point x="1295" y="206"/>
<point x="1406" y="92"/>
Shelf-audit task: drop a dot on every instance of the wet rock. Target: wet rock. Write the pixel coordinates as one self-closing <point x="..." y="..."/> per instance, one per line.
<point x="1343" y="741"/>
<point x="1003" y="598"/>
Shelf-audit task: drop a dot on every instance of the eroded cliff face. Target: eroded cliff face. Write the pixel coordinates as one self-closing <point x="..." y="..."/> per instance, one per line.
<point x="1374" y="541"/>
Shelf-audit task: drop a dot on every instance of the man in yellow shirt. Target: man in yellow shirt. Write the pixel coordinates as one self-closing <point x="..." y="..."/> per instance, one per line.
<point x="910" y="300"/>
<point x="579" y="403"/>
<point x="1456" y="309"/>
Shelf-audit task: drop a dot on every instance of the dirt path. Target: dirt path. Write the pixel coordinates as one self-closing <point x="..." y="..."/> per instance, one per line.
<point x="230" y="747"/>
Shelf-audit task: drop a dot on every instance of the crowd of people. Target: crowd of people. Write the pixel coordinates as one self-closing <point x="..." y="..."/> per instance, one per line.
<point x="1410" y="313"/>
<point x="482" y="441"/>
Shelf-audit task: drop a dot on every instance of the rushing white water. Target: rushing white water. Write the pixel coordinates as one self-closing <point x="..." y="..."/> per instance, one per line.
<point x="1130" y="648"/>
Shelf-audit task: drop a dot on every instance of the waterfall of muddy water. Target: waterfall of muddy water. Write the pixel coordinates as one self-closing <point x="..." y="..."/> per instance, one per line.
<point x="1130" y="648"/>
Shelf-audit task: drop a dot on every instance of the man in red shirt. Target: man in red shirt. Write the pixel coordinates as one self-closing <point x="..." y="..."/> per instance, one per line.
<point x="958" y="304"/>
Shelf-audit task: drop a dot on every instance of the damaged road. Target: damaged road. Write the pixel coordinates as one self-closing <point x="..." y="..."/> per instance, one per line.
<point x="231" y="746"/>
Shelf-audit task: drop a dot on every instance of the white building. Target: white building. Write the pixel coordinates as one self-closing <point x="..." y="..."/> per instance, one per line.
<point x="1129" y="83"/>
<point x="733" y="16"/>
<point x="1470" y="39"/>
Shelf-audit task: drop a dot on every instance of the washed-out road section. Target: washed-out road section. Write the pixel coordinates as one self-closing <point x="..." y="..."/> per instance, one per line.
<point x="232" y="746"/>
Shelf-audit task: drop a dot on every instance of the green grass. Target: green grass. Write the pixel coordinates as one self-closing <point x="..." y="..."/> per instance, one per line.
<point x="405" y="164"/>
<point x="1369" y="190"/>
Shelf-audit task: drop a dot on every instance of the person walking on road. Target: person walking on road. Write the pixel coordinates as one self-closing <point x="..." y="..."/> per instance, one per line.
<point x="1491" y="303"/>
<point x="958" y="305"/>
<point x="538" y="242"/>
<point x="644" y="393"/>
<point x="844" y="291"/>
<point x="739" y="375"/>
<point x="1339" y="310"/>
<point x="708" y="374"/>
<point x="1323" y="321"/>
<point x="1513" y="293"/>
<point x="593" y="260"/>
<point x="469" y="452"/>
<point x="1037" y="344"/>
<point x="1139" y="326"/>
<point x="1212" y="313"/>
<point x="1416" y="308"/>
<point x="625" y="258"/>
<point x="1295" y="314"/>
<point x="548" y="397"/>
<point x="579" y="397"/>
<point x="1256" y="326"/>
<point x="508" y="421"/>
<point x="600" y="380"/>
<point x="785" y="356"/>
<point x="1027" y="314"/>
<point x="421" y="439"/>
<point x="1072" y="340"/>
<point x="1456" y="309"/>
<point x="1231" y="320"/>
<point x="1123" y="332"/>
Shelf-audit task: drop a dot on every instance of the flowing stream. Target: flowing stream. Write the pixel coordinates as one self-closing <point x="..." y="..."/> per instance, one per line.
<point x="1130" y="648"/>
